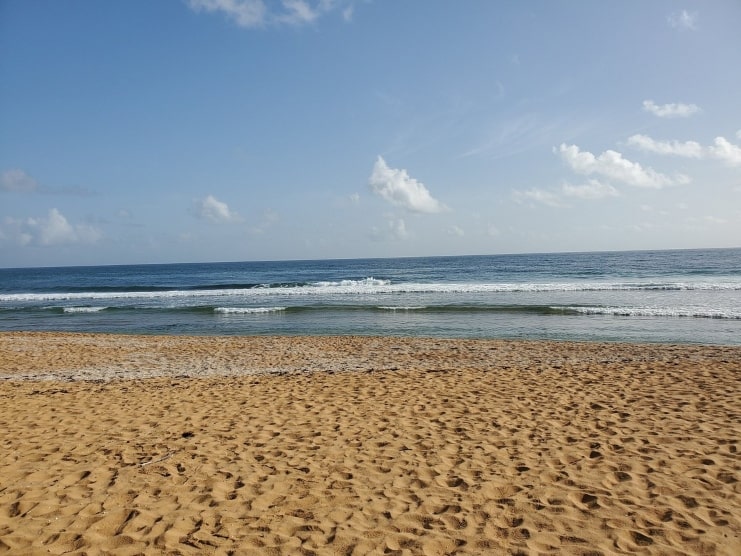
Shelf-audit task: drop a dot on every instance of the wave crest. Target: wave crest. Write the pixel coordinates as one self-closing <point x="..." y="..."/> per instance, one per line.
<point x="247" y="310"/>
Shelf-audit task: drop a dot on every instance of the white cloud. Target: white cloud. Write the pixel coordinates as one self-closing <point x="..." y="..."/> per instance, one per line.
<point x="17" y="180"/>
<point x="245" y="13"/>
<point x="738" y="134"/>
<point x="722" y="149"/>
<point x="590" y="191"/>
<point x="690" y="149"/>
<point x="611" y="164"/>
<point x="398" y="188"/>
<point x="672" y="110"/>
<point x="54" y="229"/>
<point x="214" y="210"/>
<point x="258" y="13"/>
<point x="298" y="12"/>
<point x="355" y="198"/>
<point x="593" y="189"/>
<point x="726" y="151"/>
<point x="683" y="20"/>
<point x="539" y="196"/>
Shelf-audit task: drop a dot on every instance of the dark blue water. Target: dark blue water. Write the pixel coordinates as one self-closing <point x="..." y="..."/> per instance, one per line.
<point x="646" y="296"/>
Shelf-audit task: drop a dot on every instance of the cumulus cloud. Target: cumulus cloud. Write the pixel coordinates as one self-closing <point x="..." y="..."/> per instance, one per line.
<point x="689" y="149"/>
<point x="258" y="13"/>
<point x="400" y="189"/>
<point x="726" y="151"/>
<point x="593" y="189"/>
<point x="611" y="164"/>
<point x="683" y="20"/>
<point x="54" y="229"/>
<point x="671" y="110"/>
<point x="721" y="149"/>
<point x="214" y="210"/>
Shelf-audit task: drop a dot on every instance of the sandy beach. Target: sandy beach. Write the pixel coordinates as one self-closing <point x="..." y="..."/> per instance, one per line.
<point x="365" y="445"/>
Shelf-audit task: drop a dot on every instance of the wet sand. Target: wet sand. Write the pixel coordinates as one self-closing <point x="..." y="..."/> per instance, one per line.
<point x="348" y="445"/>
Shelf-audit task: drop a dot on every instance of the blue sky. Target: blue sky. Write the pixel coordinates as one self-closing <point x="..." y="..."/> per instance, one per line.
<point x="220" y="130"/>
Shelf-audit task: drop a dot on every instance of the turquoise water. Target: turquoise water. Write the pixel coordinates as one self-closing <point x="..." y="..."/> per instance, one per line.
<point x="688" y="296"/>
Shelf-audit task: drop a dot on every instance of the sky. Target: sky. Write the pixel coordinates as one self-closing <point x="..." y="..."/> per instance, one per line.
<point x="235" y="130"/>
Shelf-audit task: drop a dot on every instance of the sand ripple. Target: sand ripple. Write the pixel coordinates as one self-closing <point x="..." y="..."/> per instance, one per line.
<point x="432" y="447"/>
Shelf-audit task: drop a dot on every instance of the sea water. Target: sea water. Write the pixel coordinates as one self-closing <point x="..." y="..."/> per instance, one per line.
<point x="687" y="296"/>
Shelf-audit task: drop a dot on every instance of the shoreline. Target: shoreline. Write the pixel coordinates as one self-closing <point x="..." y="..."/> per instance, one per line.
<point x="367" y="445"/>
<point x="71" y="356"/>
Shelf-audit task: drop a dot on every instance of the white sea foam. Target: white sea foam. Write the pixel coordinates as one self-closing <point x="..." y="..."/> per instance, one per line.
<point x="247" y="310"/>
<point x="403" y="308"/>
<point x="84" y="309"/>
<point x="365" y="282"/>
<point x="707" y="313"/>
<point x="371" y="286"/>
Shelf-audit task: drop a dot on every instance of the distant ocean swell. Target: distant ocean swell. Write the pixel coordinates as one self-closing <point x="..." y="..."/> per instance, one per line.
<point x="541" y="310"/>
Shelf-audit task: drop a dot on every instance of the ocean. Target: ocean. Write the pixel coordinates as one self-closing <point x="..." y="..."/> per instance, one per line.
<point x="682" y="296"/>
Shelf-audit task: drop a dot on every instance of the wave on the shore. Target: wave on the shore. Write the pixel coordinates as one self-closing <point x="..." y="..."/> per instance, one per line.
<point x="248" y="310"/>
<point x="369" y="286"/>
<point x="460" y="309"/>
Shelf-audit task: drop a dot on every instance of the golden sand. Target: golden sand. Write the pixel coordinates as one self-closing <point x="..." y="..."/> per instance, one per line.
<point x="179" y="445"/>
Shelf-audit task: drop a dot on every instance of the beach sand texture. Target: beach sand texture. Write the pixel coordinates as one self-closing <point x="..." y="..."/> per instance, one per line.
<point x="348" y="445"/>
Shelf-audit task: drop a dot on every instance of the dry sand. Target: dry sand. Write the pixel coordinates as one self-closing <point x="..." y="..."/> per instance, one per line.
<point x="174" y="445"/>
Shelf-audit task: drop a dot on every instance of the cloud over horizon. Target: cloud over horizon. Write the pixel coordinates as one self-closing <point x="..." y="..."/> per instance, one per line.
<point x="593" y="189"/>
<point x="671" y="110"/>
<point x="541" y="196"/>
<point x="689" y="149"/>
<point x="213" y="210"/>
<point x="54" y="229"/>
<point x="400" y="189"/>
<point x="721" y="149"/>
<point x="611" y="164"/>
